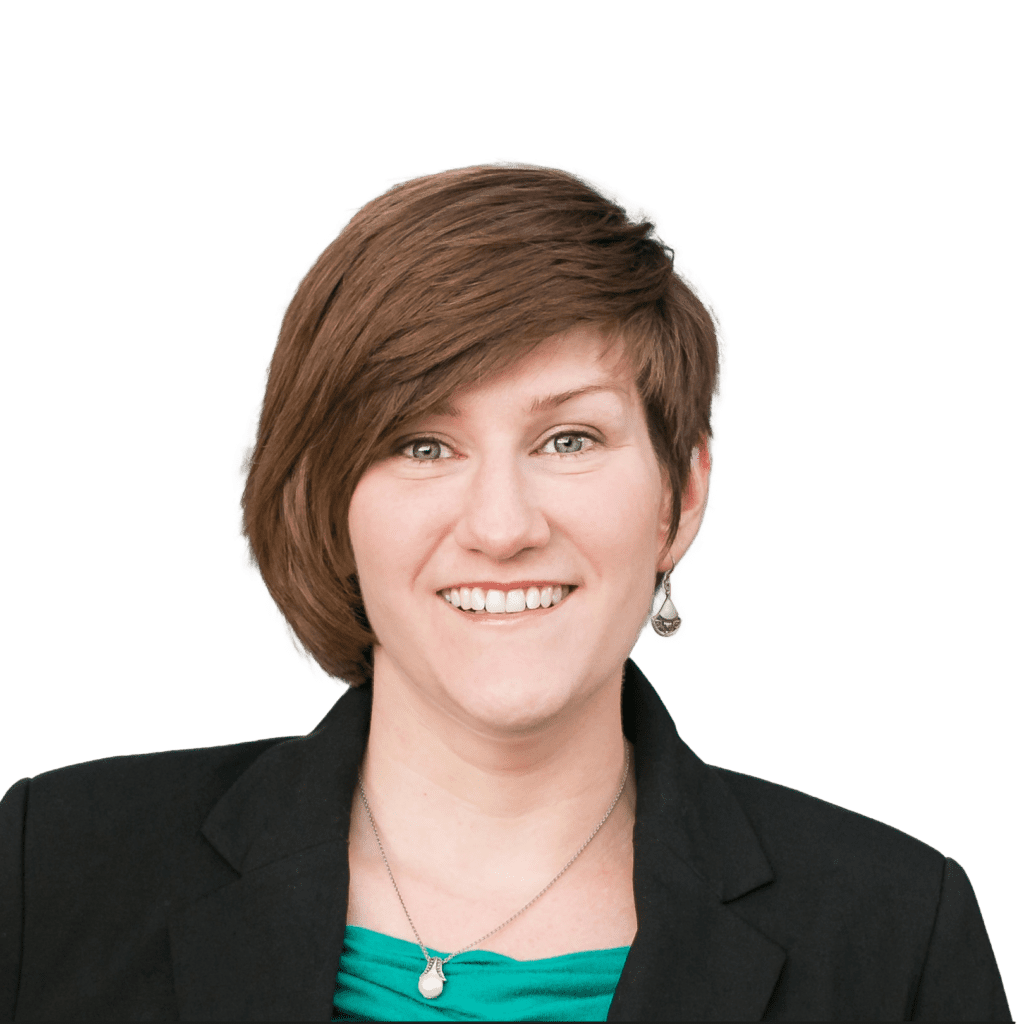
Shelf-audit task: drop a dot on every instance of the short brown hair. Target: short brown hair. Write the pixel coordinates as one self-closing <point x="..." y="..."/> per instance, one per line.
<point x="439" y="284"/>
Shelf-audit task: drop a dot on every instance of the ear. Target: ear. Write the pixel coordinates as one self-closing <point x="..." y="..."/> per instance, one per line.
<point x="695" y="500"/>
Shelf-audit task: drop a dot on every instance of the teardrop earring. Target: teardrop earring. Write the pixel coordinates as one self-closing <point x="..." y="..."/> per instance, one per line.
<point x="666" y="621"/>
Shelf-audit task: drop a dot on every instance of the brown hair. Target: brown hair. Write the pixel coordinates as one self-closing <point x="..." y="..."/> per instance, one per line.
<point x="439" y="284"/>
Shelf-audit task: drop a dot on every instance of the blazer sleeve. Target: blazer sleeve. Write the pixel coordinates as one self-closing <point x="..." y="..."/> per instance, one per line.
<point x="960" y="979"/>
<point x="12" y="832"/>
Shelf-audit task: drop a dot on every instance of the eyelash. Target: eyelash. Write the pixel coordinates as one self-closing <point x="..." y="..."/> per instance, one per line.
<point x="562" y="455"/>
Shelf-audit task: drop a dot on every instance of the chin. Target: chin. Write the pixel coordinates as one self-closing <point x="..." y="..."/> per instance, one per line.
<point x="500" y="683"/>
<point x="507" y="712"/>
<point x="515" y="704"/>
<point x="500" y="696"/>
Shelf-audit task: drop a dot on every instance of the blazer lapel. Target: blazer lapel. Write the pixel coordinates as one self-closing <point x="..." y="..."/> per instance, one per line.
<point x="266" y="947"/>
<point x="693" y="958"/>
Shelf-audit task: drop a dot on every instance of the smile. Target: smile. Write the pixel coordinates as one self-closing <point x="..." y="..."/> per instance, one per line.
<point x="476" y="601"/>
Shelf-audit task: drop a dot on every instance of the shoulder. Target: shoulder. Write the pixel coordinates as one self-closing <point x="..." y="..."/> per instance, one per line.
<point x="808" y="840"/>
<point x="116" y="796"/>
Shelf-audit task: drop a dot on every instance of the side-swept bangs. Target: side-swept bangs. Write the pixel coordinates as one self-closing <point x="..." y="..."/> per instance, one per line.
<point x="438" y="285"/>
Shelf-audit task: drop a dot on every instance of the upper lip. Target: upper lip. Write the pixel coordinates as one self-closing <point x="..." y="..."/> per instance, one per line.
<point x="514" y="585"/>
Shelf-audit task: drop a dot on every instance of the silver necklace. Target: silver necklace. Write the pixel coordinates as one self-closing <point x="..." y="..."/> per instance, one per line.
<point x="432" y="979"/>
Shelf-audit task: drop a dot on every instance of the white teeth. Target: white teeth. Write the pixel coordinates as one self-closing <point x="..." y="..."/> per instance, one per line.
<point x="498" y="601"/>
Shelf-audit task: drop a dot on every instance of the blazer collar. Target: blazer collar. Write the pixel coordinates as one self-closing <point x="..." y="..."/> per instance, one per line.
<point x="694" y="853"/>
<point x="266" y="946"/>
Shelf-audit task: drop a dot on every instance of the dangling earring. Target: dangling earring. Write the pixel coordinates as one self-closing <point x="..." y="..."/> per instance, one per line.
<point x="666" y="621"/>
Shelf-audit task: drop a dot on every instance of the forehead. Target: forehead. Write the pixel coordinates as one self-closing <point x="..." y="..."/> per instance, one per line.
<point x="573" y="365"/>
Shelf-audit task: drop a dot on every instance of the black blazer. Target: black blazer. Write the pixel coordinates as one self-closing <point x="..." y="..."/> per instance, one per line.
<point x="212" y="885"/>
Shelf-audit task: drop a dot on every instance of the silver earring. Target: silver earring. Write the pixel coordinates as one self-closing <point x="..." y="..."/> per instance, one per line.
<point x="666" y="621"/>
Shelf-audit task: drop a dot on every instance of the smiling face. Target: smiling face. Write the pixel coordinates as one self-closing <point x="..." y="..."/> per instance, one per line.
<point x="517" y="492"/>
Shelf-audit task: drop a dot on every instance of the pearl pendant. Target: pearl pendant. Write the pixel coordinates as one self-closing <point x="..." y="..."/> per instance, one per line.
<point x="432" y="979"/>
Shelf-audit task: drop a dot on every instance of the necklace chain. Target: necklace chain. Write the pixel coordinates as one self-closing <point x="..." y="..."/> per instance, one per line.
<point x="380" y="846"/>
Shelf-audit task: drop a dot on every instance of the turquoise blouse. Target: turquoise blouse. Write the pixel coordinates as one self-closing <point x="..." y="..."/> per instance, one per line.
<point x="378" y="976"/>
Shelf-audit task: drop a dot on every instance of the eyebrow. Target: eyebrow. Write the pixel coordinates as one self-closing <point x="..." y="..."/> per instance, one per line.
<point x="447" y="408"/>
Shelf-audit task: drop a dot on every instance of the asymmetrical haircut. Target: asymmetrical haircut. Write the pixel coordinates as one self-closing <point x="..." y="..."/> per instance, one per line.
<point x="440" y="284"/>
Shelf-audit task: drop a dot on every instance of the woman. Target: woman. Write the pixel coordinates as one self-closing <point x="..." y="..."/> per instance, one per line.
<point x="483" y="449"/>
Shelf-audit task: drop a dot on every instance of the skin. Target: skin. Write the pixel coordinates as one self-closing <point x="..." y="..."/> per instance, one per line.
<point x="496" y="744"/>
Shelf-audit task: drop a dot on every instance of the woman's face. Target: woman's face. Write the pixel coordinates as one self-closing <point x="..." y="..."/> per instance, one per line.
<point x="513" y="492"/>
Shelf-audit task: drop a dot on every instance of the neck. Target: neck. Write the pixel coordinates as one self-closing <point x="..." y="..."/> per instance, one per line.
<point x="517" y="803"/>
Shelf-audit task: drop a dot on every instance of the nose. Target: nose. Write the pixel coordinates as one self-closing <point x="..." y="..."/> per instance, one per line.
<point x="500" y="515"/>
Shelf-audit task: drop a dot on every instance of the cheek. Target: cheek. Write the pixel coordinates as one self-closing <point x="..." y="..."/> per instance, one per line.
<point x="389" y="536"/>
<point x="360" y="520"/>
<point x="373" y="526"/>
<point x="615" y="528"/>
<point x="621" y="512"/>
<point x="377" y="504"/>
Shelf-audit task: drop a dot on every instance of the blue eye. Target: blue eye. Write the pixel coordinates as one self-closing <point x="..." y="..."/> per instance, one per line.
<point x="560" y="445"/>
<point x="430" y="449"/>
<point x="422" y="449"/>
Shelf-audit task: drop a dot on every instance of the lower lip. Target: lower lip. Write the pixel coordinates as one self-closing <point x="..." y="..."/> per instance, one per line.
<point x="510" y="617"/>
